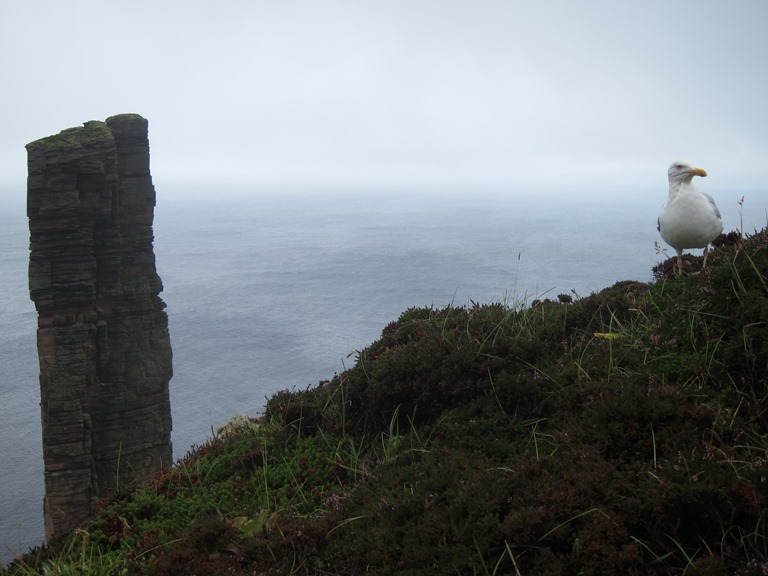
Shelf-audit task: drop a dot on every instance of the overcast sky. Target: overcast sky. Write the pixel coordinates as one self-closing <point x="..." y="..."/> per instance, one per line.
<point x="398" y="92"/>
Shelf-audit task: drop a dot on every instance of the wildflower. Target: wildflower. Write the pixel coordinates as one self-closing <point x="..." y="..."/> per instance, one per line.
<point x="607" y="335"/>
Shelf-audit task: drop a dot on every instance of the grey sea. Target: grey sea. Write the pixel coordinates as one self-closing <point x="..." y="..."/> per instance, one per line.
<point x="271" y="290"/>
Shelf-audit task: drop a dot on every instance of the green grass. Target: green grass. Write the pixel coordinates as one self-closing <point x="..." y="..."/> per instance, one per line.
<point x="91" y="132"/>
<point x="624" y="432"/>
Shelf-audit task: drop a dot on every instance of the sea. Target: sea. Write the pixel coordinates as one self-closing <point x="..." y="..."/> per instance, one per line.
<point x="269" y="289"/>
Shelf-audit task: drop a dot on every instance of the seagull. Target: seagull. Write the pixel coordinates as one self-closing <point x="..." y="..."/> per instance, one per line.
<point x="689" y="218"/>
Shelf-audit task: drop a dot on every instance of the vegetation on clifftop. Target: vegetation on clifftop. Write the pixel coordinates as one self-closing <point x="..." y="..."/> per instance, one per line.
<point x="621" y="433"/>
<point x="73" y="138"/>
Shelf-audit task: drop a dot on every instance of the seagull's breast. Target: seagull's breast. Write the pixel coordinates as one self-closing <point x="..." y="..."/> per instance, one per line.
<point x="689" y="220"/>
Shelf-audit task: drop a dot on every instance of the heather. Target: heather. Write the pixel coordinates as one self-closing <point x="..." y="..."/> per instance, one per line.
<point x="624" y="432"/>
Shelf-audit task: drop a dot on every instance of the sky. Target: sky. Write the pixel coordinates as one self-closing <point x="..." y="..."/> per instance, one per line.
<point x="318" y="93"/>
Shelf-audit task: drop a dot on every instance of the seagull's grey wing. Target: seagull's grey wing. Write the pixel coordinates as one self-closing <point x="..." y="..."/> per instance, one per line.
<point x="658" y="220"/>
<point x="713" y="205"/>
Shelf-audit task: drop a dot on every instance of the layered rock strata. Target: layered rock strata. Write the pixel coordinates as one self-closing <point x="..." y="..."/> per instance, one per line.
<point x="102" y="338"/>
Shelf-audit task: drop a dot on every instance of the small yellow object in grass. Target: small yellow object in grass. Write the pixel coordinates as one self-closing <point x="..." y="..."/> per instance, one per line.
<point x="607" y="335"/>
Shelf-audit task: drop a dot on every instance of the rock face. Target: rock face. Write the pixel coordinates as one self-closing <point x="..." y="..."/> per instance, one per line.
<point x="102" y="338"/>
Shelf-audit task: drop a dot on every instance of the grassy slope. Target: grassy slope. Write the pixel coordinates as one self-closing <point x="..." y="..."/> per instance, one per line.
<point x="623" y="433"/>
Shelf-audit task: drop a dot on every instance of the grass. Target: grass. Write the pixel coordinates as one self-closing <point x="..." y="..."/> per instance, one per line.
<point x="88" y="134"/>
<point x="76" y="557"/>
<point x="622" y="432"/>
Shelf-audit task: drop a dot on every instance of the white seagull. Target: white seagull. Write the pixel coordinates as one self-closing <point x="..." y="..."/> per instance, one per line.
<point x="689" y="218"/>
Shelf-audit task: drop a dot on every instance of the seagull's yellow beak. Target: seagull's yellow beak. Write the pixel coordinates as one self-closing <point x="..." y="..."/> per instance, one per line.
<point x="699" y="172"/>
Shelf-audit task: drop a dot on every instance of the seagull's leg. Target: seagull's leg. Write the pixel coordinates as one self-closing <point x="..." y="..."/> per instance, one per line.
<point x="679" y="262"/>
<point x="706" y="253"/>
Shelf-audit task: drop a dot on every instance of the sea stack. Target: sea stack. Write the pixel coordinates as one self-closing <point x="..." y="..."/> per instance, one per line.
<point x="102" y="337"/>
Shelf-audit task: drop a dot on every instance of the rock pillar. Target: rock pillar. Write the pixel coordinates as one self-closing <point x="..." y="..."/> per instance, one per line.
<point x="102" y="337"/>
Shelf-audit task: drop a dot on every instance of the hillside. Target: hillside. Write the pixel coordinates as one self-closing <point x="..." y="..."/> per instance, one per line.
<point x="621" y="433"/>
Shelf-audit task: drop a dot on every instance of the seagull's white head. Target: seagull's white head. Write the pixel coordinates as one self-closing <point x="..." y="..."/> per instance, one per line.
<point x="681" y="173"/>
